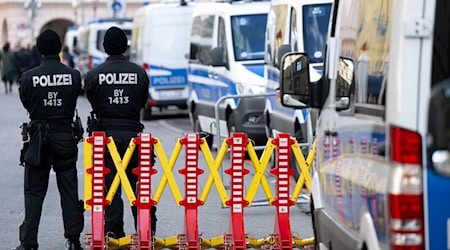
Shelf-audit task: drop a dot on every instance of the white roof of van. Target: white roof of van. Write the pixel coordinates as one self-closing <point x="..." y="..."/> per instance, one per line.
<point x="299" y="3"/>
<point x="162" y="6"/>
<point x="231" y="9"/>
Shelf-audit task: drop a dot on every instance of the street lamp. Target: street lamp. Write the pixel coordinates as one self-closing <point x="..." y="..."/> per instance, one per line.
<point x="32" y="5"/>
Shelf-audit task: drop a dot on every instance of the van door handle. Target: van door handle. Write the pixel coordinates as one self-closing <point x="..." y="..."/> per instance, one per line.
<point x="441" y="161"/>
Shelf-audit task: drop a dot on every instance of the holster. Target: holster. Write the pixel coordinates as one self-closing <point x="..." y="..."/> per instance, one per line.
<point x="77" y="129"/>
<point x="92" y="124"/>
<point x="23" y="151"/>
<point x="34" y="148"/>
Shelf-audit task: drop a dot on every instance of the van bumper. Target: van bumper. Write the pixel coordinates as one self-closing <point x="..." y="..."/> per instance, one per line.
<point x="249" y="118"/>
<point x="180" y="103"/>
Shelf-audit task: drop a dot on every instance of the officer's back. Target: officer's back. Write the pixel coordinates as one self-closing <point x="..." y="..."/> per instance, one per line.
<point x="49" y="93"/>
<point x="117" y="88"/>
<point x="50" y="86"/>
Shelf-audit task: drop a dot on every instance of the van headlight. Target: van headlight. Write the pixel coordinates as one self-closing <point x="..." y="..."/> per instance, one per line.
<point x="258" y="89"/>
<point x="250" y="89"/>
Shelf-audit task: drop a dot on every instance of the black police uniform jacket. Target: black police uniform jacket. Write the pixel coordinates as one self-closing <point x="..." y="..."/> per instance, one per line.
<point x="49" y="91"/>
<point x="117" y="89"/>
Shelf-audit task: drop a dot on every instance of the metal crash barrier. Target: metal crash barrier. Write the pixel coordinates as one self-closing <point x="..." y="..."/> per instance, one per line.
<point x="236" y="200"/>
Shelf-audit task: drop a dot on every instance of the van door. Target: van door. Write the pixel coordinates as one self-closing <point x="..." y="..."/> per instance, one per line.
<point x="437" y="173"/>
<point x="199" y="69"/>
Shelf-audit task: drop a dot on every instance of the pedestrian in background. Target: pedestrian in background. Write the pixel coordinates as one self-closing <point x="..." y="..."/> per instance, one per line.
<point x="35" y="57"/>
<point x="23" y="60"/>
<point x="49" y="93"/>
<point x="9" y="72"/>
<point x="117" y="91"/>
<point x="67" y="58"/>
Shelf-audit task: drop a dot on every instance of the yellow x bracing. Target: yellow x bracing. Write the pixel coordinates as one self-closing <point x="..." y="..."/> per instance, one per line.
<point x="238" y="144"/>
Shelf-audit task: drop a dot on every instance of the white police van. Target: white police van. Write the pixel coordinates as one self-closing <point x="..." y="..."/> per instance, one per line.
<point x="227" y="58"/>
<point x="90" y="41"/>
<point x="293" y="26"/>
<point x="71" y="38"/>
<point x="159" y="43"/>
<point x="382" y="168"/>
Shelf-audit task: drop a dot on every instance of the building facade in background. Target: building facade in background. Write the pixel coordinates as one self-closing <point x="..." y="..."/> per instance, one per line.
<point x="22" y="20"/>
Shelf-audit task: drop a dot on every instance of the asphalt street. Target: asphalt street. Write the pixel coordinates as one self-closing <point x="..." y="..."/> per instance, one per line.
<point x="213" y="220"/>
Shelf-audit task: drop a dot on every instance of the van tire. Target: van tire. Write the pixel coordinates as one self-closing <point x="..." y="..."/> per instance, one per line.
<point x="208" y="137"/>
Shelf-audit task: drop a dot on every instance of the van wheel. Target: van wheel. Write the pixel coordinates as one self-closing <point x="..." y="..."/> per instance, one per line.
<point x="208" y="137"/>
<point x="147" y="113"/>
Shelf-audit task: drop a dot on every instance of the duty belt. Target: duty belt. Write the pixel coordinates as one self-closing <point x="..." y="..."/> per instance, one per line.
<point x="120" y="124"/>
<point x="53" y="125"/>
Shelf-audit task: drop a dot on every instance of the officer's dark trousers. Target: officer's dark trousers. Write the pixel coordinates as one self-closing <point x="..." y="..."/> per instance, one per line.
<point x="114" y="212"/>
<point x="62" y="153"/>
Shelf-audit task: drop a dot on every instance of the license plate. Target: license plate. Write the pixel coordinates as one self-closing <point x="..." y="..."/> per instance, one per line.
<point x="170" y="94"/>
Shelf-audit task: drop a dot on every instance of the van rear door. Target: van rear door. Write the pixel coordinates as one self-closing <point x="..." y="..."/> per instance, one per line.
<point x="437" y="171"/>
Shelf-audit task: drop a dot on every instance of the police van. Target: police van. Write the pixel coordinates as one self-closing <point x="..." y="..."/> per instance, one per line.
<point x="294" y="26"/>
<point x="159" y="43"/>
<point x="382" y="168"/>
<point x="71" y="38"/>
<point x="227" y="58"/>
<point x="90" y="41"/>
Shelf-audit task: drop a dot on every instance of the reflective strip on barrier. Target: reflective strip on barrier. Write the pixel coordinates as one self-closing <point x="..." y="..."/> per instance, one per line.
<point x="97" y="201"/>
<point x="191" y="202"/>
<point x="238" y="143"/>
<point x="144" y="201"/>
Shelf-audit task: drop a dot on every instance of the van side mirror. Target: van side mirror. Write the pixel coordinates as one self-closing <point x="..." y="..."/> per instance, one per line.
<point x="344" y="82"/>
<point x="294" y="80"/>
<point x="217" y="57"/>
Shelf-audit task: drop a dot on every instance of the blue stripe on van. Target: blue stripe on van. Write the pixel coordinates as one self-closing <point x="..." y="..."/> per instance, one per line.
<point x="438" y="215"/>
<point x="170" y="78"/>
<point x="257" y="69"/>
<point x="211" y="93"/>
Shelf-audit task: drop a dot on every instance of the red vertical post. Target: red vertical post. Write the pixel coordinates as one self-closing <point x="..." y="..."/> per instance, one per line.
<point x="238" y="143"/>
<point x="98" y="201"/>
<point x="283" y="202"/>
<point x="143" y="201"/>
<point x="191" y="202"/>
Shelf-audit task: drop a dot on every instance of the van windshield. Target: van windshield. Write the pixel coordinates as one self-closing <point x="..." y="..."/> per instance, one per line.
<point x="248" y="32"/>
<point x="101" y="36"/>
<point x="315" y="19"/>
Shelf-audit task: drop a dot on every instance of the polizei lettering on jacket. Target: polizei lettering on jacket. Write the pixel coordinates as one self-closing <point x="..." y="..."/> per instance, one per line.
<point x="52" y="80"/>
<point x="117" y="78"/>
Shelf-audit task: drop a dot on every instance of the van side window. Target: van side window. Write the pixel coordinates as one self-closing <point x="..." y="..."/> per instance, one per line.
<point x="201" y="39"/>
<point x="100" y="37"/>
<point x="365" y="40"/>
<point x="222" y="39"/>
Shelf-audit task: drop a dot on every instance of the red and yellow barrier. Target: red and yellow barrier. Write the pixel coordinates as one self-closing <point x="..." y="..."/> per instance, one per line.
<point x="239" y="145"/>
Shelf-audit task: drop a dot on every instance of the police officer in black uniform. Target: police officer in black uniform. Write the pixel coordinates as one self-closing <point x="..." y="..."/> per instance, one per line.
<point x="49" y="93"/>
<point x="117" y="91"/>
